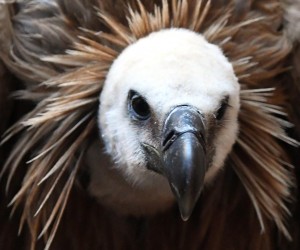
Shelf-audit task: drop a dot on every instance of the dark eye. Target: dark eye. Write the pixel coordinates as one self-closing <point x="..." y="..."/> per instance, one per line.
<point x="222" y="109"/>
<point x="138" y="107"/>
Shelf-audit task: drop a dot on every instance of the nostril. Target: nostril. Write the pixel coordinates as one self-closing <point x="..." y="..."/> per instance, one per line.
<point x="169" y="139"/>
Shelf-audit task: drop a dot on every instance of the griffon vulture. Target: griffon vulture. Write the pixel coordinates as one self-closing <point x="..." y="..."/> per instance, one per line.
<point x="149" y="124"/>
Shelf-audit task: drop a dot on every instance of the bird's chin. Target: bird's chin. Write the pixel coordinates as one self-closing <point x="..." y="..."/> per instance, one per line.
<point x="137" y="199"/>
<point x="148" y="195"/>
<point x="133" y="190"/>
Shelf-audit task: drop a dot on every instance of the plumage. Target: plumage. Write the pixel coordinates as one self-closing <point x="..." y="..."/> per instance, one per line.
<point x="58" y="56"/>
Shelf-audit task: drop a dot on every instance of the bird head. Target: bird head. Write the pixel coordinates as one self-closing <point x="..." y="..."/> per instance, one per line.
<point x="168" y="113"/>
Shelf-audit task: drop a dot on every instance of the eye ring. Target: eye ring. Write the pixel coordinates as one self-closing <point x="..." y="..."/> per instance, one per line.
<point x="138" y="107"/>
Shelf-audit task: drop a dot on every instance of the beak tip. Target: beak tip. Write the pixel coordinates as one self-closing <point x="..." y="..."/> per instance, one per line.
<point x="186" y="209"/>
<point x="185" y="217"/>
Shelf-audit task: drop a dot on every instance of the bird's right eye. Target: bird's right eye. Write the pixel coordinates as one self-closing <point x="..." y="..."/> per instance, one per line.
<point x="138" y="107"/>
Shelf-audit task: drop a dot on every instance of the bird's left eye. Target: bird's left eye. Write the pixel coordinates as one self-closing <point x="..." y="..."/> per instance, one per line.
<point x="138" y="107"/>
<point x="222" y="109"/>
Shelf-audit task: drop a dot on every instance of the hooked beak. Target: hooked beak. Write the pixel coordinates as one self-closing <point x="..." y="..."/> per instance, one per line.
<point x="182" y="159"/>
<point x="184" y="156"/>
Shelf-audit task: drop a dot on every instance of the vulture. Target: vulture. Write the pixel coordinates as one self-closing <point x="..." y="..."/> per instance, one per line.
<point x="150" y="124"/>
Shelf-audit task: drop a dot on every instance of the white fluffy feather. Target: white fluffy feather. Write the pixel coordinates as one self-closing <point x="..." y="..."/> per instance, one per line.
<point x="169" y="68"/>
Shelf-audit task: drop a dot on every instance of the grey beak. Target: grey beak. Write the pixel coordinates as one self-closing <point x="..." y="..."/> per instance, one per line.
<point x="184" y="156"/>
